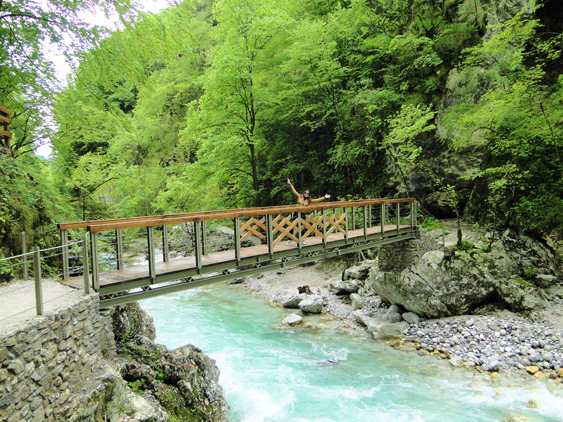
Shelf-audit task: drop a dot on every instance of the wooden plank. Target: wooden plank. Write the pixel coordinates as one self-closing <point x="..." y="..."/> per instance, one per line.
<point x="4" y="120"/>
<point x="5" y="110"/>
<point x="5" y="133"/>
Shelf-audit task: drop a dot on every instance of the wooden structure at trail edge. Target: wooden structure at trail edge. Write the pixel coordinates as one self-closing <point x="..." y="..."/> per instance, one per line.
<point x="315" y="232"/>
<point x="5" y="122"/>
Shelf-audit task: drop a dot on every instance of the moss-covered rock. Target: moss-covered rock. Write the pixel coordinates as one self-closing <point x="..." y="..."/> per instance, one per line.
<point x="184" y="381"/>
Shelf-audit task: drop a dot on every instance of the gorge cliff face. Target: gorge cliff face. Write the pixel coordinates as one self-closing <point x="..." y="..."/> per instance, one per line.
<point x="183" y="381"/>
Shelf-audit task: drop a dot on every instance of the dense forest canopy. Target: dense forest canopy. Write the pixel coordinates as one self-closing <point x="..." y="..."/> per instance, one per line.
<point x="214" y="104"/>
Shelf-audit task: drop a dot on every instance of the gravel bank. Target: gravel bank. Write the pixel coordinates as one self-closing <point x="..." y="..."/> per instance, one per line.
<point x="501" y="341"/>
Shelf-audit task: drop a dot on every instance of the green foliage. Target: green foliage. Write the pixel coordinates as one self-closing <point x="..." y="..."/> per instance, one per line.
<point x="138" y="386"/>
<point x="27" y="76"/>
<point x="431" y="224"/>
<point x="530" y="273"/>
<point x="464" y="245"/>
<point x="512" y="117"/>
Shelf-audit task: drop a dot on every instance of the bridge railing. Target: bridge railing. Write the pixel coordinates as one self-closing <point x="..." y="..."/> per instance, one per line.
<point x="121" y="243"/>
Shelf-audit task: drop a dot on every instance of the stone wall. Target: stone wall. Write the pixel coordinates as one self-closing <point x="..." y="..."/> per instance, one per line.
<point x="398" y="256"/>
<point x="45" y="364"/>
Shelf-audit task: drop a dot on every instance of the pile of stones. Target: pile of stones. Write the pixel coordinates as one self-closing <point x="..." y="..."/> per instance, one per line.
<point x="492" y="343"/>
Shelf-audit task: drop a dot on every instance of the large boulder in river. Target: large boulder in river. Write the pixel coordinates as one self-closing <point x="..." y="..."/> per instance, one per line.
<point x="442" y="285"/>
<point x="312" y="304"/>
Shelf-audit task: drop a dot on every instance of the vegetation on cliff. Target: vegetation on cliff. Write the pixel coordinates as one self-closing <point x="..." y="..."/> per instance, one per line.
<point x="215" y="104"/>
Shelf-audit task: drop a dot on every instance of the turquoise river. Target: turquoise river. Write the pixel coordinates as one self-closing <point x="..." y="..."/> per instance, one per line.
<point x="274" y="374"/>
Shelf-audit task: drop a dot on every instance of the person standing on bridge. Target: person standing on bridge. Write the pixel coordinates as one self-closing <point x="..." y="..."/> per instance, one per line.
<point x="304" y="200"/>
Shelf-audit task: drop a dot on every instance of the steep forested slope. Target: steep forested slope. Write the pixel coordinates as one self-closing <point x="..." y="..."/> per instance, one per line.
<point x="215" y="104"/>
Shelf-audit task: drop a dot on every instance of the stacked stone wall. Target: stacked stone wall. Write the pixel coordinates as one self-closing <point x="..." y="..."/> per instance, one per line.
<point x="44" y="364"/>
<point x="396" y="257"/>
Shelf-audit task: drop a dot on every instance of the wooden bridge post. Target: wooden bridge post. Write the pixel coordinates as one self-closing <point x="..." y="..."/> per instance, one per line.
<point x="152" y="260"/>
<point x="398" y="212"/>
<point x="204" y="237"/>
<point x="236" y="222"/>
<point x="85" y="269"/>
<point x="119" y="248"/>
<point x="37" y="274"/>
<point x="369" y="216"/>
<point x="24" y="252"/>
<point x="353" y="218"/>
<point x="413" y="214"/>
<point x="270" y="235"/>
<point x="95" y="265"/>
<point x="197" y="232"/>
<point x="64" y="255"/>
<point x="165" y="248"/>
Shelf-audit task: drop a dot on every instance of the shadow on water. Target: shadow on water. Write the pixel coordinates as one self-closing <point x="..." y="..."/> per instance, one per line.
<point x="328" y="375"/>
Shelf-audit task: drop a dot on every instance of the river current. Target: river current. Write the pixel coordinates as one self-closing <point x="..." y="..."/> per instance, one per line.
<point x="275" y="374"/>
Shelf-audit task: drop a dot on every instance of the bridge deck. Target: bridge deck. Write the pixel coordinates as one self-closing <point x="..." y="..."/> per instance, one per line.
<point x="140" y="272"/>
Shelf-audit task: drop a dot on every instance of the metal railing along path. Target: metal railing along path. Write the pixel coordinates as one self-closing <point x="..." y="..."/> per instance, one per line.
<point x="33" y="261"/>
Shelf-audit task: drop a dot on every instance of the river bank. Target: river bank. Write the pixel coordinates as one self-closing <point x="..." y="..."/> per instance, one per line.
<point x="495" y="342"/>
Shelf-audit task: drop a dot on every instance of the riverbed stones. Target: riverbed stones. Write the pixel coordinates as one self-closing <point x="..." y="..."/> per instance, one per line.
<point x="291" y="300"/>
<point x="357" y="302"/>
<point x="292" y="320"/>
<point x="359" y="272"/>
<point x="483" y="341"/>
<point x="393" y="314"/>
<point x="312" y="304"/>
<point x="343" y="287"/>
<point x="388" y="330"/>
<point x="411" y="317"/>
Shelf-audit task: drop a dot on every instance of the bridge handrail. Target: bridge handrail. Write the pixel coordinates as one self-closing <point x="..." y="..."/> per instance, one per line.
<point x="263" y="210"/>
<point x="136" y="222"/>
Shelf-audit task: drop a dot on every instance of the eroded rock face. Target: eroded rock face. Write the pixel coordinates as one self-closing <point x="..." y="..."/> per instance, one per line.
<point x="183" y="381"/>
<point x="521" y="295"/>
<point x="440" y="285"/>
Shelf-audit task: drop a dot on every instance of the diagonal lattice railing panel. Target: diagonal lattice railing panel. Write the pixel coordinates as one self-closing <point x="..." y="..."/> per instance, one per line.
<point x="335" y="222"/>
<point x="252" y="227"/>
<point x="285" y="227"/>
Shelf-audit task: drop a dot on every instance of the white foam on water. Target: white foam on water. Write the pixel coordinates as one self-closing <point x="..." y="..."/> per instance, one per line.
<point x="322" y="376"/>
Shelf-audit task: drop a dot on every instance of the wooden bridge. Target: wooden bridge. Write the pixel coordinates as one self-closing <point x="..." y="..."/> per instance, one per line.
<point x="184" y="251"/>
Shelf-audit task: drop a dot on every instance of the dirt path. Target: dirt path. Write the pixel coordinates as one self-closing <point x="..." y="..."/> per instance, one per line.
<point x="18" y="305"/>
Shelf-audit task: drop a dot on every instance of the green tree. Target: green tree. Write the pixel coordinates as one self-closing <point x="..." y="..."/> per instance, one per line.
<point x="516" y="121"/>
<point x="27" y="77"/>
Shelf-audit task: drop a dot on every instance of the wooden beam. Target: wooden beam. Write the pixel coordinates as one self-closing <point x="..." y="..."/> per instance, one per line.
<point x="4" y="110"/>
<point x="5" y="133"/>
<point x="220" y="215"/>
<point x="4" y="120"/>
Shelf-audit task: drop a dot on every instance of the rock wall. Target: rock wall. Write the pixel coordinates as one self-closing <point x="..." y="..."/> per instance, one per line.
<point x="70" y="367"/>
<point x="45" y="365"/>
<point x="396" y="257"/>
<point x="432" y="281"/>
